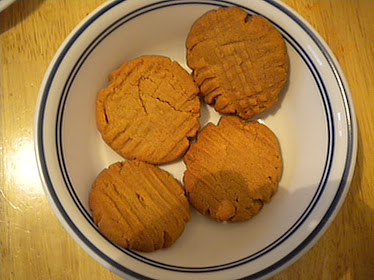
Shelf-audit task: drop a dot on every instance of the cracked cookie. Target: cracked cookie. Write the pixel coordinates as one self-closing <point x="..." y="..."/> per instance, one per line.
<point x="240" y="62"/>
<point x="232" y="169"/>
<point x="139" y="206"/>
<point x="149" y="111"/>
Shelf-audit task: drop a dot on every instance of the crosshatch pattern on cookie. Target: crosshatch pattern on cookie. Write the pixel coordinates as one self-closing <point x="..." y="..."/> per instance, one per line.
<point x="240" y="62"/>
<point x="232" y="169"/>
<point x="139" y="206"/>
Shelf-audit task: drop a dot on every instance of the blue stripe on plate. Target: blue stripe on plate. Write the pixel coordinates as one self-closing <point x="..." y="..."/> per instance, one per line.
<point x="281" y="239"/>
<point x="142" y="258"/>
<point x="271" y="246"/>
<point x="42" y="155"/>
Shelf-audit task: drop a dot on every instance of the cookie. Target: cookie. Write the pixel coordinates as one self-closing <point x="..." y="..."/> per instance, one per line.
<point x="149" y="111"/>
<point x="240" y="62"/>
<point x="232" y="169"/>
<point x="139" y="206"/>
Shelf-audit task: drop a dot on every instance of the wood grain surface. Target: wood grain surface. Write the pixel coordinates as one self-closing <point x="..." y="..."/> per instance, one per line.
<point x="33" y="243"/>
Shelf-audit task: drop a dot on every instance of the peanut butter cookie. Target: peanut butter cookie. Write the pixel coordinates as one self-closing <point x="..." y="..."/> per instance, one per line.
<point x="232" y="169"/>
<point x="139" y="206"/>
<point x="240" y="62"/>
<point x="149" y="111"/>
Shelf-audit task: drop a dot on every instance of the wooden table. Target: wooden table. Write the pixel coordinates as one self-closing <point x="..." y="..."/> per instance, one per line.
<point x="34" y="245"/>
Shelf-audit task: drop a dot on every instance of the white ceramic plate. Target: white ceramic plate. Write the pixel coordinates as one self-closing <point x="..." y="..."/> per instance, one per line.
<point x="314" y="121"/>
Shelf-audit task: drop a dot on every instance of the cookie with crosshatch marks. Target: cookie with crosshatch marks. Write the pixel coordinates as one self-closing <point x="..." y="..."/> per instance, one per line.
<point x="240" y="62"/>
<point x="149" y="111"/>
<point x="139" y="206"/>
<point x="232" y="169"/>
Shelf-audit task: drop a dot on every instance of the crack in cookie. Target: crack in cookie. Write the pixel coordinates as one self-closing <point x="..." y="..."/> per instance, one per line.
<point x="148" y="100"/>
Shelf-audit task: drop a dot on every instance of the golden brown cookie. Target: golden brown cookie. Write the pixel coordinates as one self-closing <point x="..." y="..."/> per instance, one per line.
<point x="149" y="111"/>
<point x="240" y="62"/>
<point x="139" y="206"/>
<point x="232" y="169"/>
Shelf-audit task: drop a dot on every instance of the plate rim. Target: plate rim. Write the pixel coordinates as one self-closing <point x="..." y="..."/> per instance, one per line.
<point x="337" y="201"/>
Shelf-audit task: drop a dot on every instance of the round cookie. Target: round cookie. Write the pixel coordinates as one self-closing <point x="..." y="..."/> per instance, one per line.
<point x="232" y="169"/>
<point x="148" y="100"/>
<point x="139" y="206"/>
<point x="240" y="62"/>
